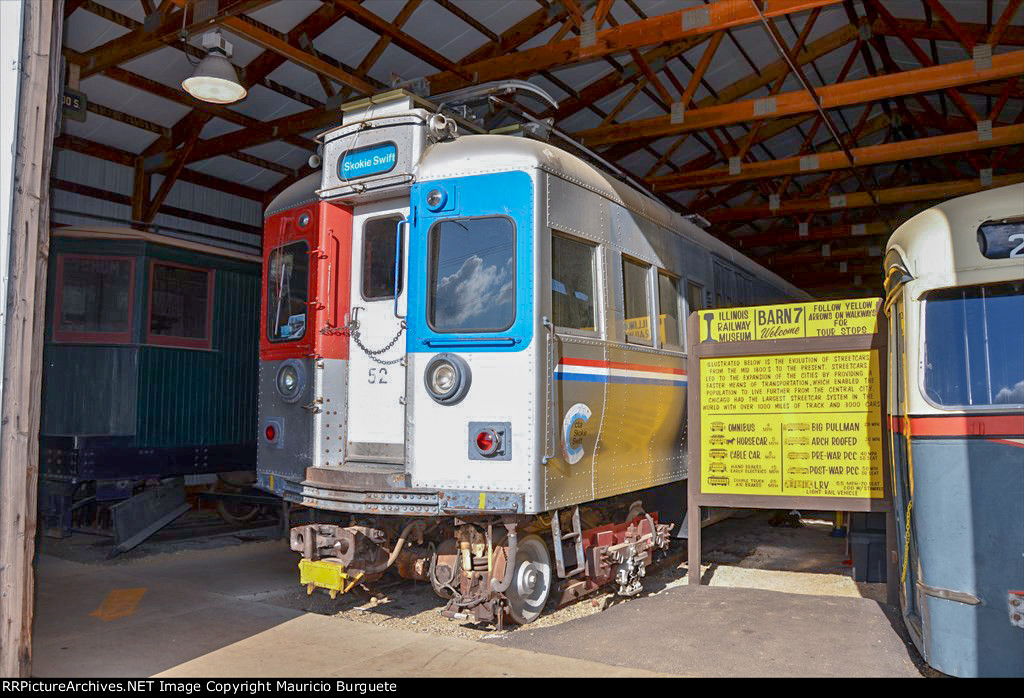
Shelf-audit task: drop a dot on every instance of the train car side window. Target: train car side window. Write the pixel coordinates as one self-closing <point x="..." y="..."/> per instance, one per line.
<point x="180" y="306"/>
<point x="94" y="299"/>
<point x="973" y="338"/>
<point x="287" y="292"/>
<point x="670" y="333"/>
<point x="471" y="282"/>
<point x="636" y="301"/>
<point x="379" y="258"/>
<point x="695" y="297"/>
<point x="572" y="284"/>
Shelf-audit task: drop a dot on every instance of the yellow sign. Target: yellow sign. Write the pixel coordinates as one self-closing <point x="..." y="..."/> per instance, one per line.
<point x="792" y="425"/>
<point x="840" y="318"/>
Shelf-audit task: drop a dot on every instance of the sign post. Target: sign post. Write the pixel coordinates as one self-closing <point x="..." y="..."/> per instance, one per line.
<point x="786" y="412"/>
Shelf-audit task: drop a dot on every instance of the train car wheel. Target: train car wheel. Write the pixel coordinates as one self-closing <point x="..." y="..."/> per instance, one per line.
<point x="531" y="582"/>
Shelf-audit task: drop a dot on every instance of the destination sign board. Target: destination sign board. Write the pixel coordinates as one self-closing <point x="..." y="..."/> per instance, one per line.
<point x="1002" y="239"/>
<point x="375" y="159"/>
<point x="838" y="318"/>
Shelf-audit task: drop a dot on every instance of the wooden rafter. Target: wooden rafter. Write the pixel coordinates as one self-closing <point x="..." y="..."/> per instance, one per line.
<point x="1004" y="65"/>
<point x="851" y="200"/>
<point x="672" y="26"/>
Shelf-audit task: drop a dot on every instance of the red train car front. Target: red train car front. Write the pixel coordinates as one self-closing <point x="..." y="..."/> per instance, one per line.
<point x="307" y="246"/>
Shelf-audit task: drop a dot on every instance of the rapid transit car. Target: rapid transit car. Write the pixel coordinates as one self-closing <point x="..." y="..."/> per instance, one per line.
<point x="472" y="346"/>
<point x="955" y="302"/>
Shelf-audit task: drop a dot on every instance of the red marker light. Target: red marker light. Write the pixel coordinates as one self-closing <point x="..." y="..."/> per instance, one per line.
<point x="485" y="441"/>
<point x="271" y="432"/>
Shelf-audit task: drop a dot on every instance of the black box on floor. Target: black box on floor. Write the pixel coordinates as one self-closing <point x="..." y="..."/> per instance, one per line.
<point x="868" y="556"/>
<point x="870" y="521"/>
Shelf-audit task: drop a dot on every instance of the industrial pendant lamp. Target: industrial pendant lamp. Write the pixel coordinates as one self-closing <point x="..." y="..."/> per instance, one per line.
<point x="215" y="79"/>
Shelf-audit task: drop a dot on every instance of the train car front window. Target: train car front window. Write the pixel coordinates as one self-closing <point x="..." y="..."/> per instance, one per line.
<point x="973" y="339"/>
<point x="472" y="278"/>
<point x="287" y="292"/>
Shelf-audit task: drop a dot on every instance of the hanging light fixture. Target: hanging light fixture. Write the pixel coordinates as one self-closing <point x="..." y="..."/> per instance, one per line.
<point x="215" y="78"/>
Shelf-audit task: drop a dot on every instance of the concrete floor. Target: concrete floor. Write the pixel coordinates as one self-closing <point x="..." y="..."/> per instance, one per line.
<point x="224" y="611"/>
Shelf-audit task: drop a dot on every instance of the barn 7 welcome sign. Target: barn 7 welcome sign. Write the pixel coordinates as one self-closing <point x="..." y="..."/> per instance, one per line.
<point x="786" y="404"/>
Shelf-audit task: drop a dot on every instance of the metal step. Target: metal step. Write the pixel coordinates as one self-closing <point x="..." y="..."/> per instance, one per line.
<point x="558" y="537"/>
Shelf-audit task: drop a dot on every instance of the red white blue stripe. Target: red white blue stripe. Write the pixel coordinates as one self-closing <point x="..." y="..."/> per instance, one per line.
<point x="598" y="371"/>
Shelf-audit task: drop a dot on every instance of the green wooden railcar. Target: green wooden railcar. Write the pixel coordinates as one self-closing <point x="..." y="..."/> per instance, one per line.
<point x="150" y="365"/>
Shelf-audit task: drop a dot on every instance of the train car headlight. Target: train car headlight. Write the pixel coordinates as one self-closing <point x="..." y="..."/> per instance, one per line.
<point x="290" y="380"/>
<point x="447" y="378"/>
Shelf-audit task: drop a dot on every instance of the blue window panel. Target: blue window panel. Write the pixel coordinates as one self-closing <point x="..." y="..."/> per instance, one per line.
<point x="509" y="194"/>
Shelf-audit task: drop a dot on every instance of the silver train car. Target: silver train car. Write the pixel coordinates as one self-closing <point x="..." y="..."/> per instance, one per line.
<point x="955" y="302"/>
<point x="473" y="348"/>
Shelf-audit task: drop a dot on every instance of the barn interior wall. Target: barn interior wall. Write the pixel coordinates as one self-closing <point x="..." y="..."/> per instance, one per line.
<point x="70" y="208"/>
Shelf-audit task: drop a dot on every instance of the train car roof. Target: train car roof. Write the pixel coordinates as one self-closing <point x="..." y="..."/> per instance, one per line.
<point x="116" y="233"/>
<point x="479" y="154"/>
<point x="940" y="247"/>
<point x="301" y="192"/>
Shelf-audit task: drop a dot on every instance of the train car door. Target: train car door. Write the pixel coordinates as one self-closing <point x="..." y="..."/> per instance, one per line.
<point x="376" y="425"/>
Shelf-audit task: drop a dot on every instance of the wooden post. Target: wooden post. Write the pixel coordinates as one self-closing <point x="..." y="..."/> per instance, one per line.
<point x="38" y="105"/>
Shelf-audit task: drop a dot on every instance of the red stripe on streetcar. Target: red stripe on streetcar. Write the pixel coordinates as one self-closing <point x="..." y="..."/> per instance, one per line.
<point x="597" y="363"/>
<point x="961" y="425"/>
<point x="1006" y="442"/>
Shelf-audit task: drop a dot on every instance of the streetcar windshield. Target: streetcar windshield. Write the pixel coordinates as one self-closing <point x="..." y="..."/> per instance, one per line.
<point x="973" y="340"/>
<point x="287" y="292"/>
<point x="472" y="275"/>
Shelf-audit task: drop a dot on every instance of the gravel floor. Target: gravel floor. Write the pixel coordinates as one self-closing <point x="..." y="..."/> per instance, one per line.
<point x="744" y="551"/>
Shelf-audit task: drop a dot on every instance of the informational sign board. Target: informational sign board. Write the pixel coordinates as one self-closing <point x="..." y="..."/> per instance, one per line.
<point x="786" y="409"/>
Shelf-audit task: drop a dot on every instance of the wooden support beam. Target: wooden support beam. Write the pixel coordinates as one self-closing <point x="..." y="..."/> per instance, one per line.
<point x="733" y="92"/>
<point x="37" y="77"/>
<point x="521" y="32"/>
<point x="1004" y="65"/>
<point x="671" y="26"/>
<point x="123" y="157"/>
<point x="261" y="37"/>
<point x="180" y="97"/>
<point x="978" y="33"/>
<point x="170" y="177"/>
<point x="922" y="57"/>
<point x="103" y="194"/>
<point x="384" y="28"/>
<point x="854" y="200"/>
<point x="139" y="41"/>
<point x="999" y="30"/>
<point x="790" y="235"/>
<point x="239" y="140"/>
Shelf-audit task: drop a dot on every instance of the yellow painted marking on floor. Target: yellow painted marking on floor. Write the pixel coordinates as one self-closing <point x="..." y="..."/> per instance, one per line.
<point x="119" y="603"/>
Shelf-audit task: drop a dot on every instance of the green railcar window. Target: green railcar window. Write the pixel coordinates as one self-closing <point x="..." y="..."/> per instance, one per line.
<point x="180" y="302"/>
<point x="94" y="298"/>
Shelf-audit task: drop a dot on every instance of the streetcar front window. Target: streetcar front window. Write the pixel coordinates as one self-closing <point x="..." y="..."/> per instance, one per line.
<point x="472" y="276"/>
<point x="287" y="292"/>
<point x="973" y="340"/>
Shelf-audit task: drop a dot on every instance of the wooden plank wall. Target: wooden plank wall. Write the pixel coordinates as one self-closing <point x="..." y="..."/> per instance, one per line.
<point x="39" y="101"/>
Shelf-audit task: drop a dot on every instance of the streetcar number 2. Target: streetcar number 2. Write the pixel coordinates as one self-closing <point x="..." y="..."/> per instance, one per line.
<point x="378" y="375"/>
<point x="1017" y="251"/>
